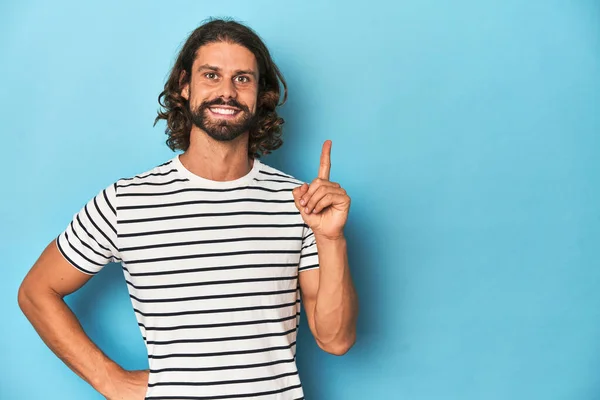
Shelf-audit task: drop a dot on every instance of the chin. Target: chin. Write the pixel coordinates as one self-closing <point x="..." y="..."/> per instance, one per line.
<point x="223" y="134"/>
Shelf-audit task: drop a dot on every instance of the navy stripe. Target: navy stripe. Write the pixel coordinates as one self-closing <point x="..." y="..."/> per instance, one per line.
<point x="194" y="202"/>
<point x="214" y="296"/>
<point x="215" y="383"/>
<point x="221" y="339"/>
<point x="81" y="254"/>
<point x="216" y="311"/>
<point x="279" y="181"/>
<point x="97" y="228"/>
<point x="108" y="202"/>
<point x="152" y="174"/>
<point x="205" y="255"/>
<point x="211" y="283"/>
<point x="222" y="353"/>
<point x="212" y="241"/>
<point x="223" y="368"/>
<point x="84" y="243"/>
<point x="209" y="228"/>
<point x="309" y="254"/>
<point x="208" y="269"/>
<point x="307" y="246"/>
<point x="308" y="266"/>
<point x="275" y="174"/>
<point x="205" y="190"/>
<point x="73" y="263"/>
<point x="221" y="214"/>
<point x="228" y="396"/>
<point x="90" y="235"/>
<point x="105" y="219"/>
<point x="166" y="163"/>
<point x="154" y="183"/>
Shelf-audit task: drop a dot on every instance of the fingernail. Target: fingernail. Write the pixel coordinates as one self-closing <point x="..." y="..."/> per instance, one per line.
<point x="306" y="210"/>
<point x="302" y="202"/>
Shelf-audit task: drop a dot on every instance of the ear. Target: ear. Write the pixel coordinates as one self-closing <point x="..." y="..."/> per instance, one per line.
<point x="185" y="87"/>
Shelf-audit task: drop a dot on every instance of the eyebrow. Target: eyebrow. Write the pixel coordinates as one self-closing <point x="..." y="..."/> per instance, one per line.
<point x="217" y="69"/>
<point x="206" y="66"/>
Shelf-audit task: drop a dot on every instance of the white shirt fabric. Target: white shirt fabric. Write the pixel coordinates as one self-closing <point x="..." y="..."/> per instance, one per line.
<point x="212" y="271"/>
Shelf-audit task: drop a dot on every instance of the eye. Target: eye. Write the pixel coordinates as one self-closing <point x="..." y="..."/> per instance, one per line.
<point x="210" y="75"/>
<point x="242" y="79"/>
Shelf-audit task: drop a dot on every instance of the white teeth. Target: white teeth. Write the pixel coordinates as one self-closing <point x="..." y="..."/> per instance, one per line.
<point x="226" y="111"/>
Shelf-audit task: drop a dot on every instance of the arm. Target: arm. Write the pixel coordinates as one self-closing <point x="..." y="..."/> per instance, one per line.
<point x="328" y="294"/>
<point x="41" y="300"/>
<point x="329" y="298"/>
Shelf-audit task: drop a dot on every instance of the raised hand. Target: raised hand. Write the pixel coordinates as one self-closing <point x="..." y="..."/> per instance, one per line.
<point x="324" y="205"/>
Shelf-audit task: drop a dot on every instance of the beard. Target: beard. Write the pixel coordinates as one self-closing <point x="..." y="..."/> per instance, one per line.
<point x="222" y="129"/>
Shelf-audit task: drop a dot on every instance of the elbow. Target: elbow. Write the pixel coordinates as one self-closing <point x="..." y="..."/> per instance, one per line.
<point x="338" y="350"/>
<point x="338" y="347"/>
<point x="28" y="297"/>
<point x="23" y="298"/>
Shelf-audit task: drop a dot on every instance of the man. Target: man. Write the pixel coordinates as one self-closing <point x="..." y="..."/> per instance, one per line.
<point x="217" y="248"/>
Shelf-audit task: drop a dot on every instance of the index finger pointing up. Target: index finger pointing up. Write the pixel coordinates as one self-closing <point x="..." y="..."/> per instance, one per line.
<point x="325" y="166"/>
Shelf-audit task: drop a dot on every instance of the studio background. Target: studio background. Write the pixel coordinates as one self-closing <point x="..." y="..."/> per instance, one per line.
<point x="467" y="134"/>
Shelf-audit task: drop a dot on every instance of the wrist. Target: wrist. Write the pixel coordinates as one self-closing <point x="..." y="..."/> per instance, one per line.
<point x="108" y="378"/>
<point x="330" y="240"/>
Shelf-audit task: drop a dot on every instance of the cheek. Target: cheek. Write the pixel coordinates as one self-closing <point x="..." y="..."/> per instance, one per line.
<point x="198" y="95"/>
<point x="251" y="100"/>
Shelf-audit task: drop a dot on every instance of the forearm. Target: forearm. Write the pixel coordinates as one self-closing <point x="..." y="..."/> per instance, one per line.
<point x="60" y="330"/>
<point x="336" y="305"/>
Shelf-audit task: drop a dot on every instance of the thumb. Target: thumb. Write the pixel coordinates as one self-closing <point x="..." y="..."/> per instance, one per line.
<point x="298" y="192"/>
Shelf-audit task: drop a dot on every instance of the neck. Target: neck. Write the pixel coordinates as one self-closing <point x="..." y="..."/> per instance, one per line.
<point x="215" y="160"/>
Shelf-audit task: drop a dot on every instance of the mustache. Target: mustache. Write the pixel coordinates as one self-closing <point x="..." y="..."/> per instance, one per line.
<point x="221" y="102"/>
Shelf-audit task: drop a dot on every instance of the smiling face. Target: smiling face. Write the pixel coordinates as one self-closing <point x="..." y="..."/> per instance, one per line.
<point x="223" y="90"/>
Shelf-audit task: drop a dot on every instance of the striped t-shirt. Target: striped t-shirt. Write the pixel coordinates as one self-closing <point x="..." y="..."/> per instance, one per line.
<point x="212" y="272"/>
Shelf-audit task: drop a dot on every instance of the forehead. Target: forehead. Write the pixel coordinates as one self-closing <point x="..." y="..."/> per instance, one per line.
<point x="226" y="56"/>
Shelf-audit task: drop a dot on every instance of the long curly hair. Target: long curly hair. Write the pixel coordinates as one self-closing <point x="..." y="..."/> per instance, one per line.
<point x="265" y="136"/>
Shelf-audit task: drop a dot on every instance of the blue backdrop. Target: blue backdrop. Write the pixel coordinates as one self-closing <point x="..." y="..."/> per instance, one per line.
<point x="467" y="134"/>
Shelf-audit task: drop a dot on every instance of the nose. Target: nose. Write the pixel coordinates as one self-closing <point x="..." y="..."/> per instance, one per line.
<point x="227" y="89"/>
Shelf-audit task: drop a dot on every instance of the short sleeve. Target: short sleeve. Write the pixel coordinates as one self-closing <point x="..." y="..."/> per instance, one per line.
<point x="90" y="241"/>
<point x="309" y="258"/>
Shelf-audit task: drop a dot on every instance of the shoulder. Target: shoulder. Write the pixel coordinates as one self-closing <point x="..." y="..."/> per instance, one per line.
<point x="266" y="174"/>
<point x="159" y="175"/>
